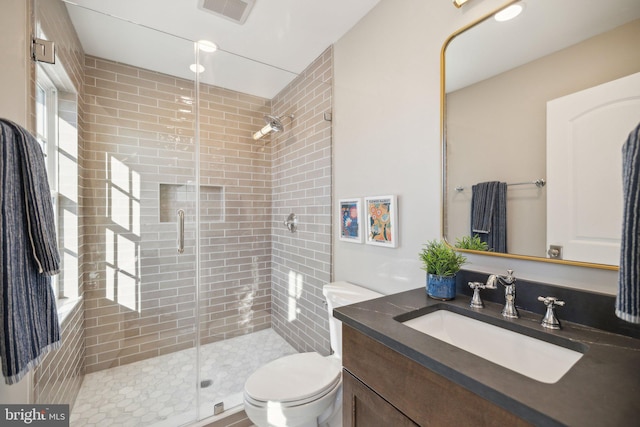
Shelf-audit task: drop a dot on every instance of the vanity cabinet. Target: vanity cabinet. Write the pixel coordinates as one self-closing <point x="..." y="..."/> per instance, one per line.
<point x="366" y="408"/>
<point x="384" y="388"/>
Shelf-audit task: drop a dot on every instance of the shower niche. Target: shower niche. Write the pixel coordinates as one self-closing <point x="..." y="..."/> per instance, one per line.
<point x="182" y="196"/>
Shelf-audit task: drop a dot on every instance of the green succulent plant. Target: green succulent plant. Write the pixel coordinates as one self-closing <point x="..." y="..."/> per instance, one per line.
<point x="441" y="259"/>
<point x="472" y="242"/>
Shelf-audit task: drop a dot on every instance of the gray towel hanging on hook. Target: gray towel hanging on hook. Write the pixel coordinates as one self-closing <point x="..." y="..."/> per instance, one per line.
<point x="628" y="297"/>
<point x="28" y="254"/>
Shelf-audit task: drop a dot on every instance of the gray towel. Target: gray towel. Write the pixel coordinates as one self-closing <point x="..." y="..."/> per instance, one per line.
<point x="489" y="214"/>
<point x="28" y="254"/>
<point x="628" y="298"/>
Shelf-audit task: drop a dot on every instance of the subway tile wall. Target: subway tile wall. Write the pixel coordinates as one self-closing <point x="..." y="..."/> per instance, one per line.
<point x="140" y="295"/>
<point x="59" y="377"/>
<point x="301" y="170"/>
<point x="235" y="241"/>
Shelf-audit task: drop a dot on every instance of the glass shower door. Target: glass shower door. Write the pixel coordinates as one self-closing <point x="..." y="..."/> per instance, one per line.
<point x="175" y="221"/>
<point x="139" y="212"/>
<point x="235" y="228"/>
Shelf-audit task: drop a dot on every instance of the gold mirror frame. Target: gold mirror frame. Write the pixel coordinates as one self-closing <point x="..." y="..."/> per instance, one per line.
<point x="443" y="156"/>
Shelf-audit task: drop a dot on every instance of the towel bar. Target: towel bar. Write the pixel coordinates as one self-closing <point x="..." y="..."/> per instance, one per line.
<point x="540" y="182"/>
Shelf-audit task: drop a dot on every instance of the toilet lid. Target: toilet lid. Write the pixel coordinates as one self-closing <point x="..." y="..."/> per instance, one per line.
<point x="294" y="378"/>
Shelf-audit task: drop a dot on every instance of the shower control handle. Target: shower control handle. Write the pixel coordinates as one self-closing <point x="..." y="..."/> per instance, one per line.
<point x="180" y="231"/>
<point x="291" y="222"/>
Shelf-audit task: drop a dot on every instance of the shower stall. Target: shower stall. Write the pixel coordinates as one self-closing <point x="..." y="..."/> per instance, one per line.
<point x="181" y="278"/>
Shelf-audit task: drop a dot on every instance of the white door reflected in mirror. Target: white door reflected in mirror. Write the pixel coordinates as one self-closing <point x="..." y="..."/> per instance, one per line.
<point x="585" y="134"/>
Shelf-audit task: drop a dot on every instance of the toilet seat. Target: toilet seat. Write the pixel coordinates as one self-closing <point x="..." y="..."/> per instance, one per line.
<point x="293" y="380"/>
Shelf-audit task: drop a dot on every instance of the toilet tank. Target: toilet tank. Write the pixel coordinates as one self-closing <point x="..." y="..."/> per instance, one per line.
<point x="338" y="294"/>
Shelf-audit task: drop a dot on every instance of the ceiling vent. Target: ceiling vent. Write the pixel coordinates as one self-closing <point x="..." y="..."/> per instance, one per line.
<point x="233" y="10"/>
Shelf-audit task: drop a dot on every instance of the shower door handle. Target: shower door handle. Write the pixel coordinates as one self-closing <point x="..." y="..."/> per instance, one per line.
<point x="180" y="231"/>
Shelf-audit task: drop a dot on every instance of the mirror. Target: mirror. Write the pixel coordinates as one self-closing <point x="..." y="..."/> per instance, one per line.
<point x="497" y="78"/>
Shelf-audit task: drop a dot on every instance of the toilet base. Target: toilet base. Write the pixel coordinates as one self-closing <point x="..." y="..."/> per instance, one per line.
<point x="332" y="417"/>
<point x="297" y="416"/>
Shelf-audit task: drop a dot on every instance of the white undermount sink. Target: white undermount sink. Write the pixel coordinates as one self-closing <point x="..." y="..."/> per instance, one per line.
<point x="537" y="359"/>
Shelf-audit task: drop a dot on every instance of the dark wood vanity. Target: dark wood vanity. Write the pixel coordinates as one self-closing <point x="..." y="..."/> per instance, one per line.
<point x="397" y="376"/>
<point x="384" y="388"/>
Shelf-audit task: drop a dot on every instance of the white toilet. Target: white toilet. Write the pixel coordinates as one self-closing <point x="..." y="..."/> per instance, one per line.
<point x="305" y="389"/>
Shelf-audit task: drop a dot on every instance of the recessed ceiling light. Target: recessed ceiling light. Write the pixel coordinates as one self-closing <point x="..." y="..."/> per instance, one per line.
<point x="196" y="68"/>
<point x="207" y="46"/>
<point x="509" y="12"/>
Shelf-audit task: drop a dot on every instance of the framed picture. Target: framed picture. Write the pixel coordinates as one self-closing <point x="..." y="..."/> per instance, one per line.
<point x="350" y="228"/>
<point x="381" y="222"/>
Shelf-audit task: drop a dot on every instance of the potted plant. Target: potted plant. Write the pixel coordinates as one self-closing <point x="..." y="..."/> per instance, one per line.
<point x="473" y="243"/>
<point x="441" y="262"/>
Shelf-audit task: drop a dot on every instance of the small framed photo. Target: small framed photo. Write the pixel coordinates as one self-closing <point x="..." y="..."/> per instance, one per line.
<point x="381" y="222"/>
<point x="350" y="228"/>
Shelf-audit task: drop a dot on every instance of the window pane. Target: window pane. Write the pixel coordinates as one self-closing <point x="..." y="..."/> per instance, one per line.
<point x="41" y="117"/>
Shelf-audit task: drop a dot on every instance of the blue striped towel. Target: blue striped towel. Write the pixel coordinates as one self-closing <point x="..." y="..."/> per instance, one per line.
<point x="628" y="298"/>
<point x="28" y="255"/>
<point x="489" y="214"/>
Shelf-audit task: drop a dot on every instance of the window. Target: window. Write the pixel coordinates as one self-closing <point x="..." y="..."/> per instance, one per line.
<point x="46" y="101"/>
<point x="56" y="131"/>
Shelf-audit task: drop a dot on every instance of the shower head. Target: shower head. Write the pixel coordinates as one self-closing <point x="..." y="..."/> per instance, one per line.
<point x="274" y="124"/>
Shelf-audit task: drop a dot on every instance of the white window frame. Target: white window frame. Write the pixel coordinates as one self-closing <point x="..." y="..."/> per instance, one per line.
<point x="49" y="144"/>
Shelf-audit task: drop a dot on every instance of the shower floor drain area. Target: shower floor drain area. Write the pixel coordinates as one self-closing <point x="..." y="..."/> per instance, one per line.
<point x="151" y="396"/>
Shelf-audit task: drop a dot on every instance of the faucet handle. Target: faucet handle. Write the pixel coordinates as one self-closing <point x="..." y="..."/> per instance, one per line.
<point x="476" y="301"/>
<point x="550" y="320"/>
<point x="510" y="279"/>
<point x="551" y="301"/>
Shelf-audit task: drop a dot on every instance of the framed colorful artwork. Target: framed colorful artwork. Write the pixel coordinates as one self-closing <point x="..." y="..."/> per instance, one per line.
<point x="381" y="222"/>
<point x="350" y="228"/>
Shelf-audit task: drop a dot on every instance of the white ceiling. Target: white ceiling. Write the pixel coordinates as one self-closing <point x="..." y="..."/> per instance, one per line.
<point x="279" y="39"/>
<point x="544" y="27"/>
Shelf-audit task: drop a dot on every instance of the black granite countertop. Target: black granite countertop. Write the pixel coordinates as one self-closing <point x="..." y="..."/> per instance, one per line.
<point x="601" y="389"/>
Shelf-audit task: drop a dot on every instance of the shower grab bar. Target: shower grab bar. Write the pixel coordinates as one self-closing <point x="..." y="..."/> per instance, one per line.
<point x="180" y="231"/>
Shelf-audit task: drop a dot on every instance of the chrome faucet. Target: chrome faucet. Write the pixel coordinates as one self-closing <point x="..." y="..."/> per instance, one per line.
<point x="476" y="301"/>
<point x="550" y="320"/>
<point x="509" y="282"/>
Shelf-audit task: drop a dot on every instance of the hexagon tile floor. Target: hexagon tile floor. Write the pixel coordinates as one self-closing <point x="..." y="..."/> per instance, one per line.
<point x="160" y="392"/>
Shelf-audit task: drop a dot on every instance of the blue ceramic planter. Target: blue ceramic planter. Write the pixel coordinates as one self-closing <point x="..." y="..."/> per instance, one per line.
<point x="441" y="287"/>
